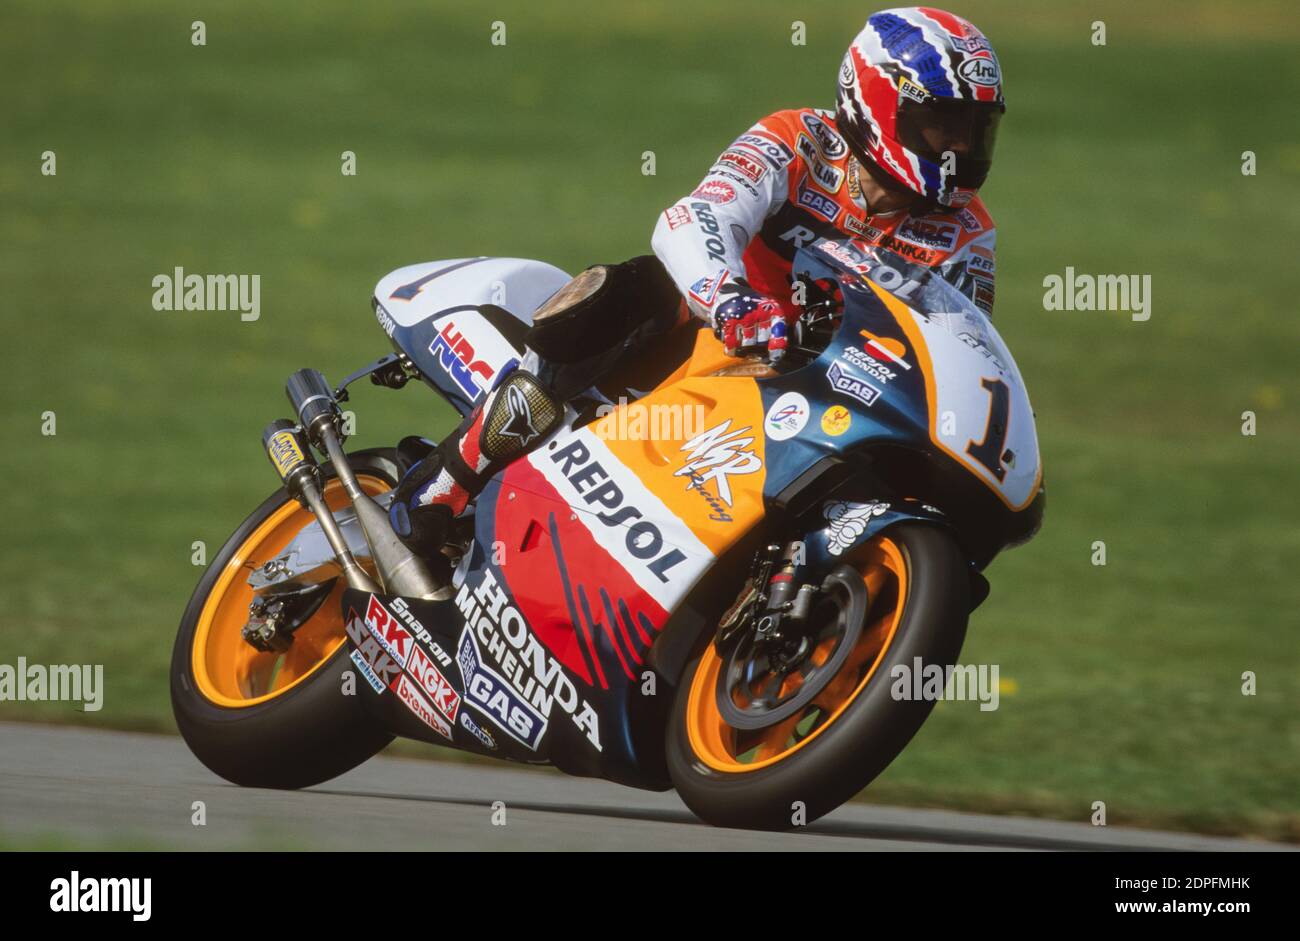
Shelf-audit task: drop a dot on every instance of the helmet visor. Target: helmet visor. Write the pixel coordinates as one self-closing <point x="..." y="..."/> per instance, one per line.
<point x="968" y="130"/>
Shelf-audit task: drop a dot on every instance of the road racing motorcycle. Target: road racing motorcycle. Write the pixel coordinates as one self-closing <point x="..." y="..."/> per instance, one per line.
<point x="719" y="601"/>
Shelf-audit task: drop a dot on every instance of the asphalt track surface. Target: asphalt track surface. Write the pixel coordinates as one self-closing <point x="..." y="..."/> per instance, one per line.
<point x="70" y="788"/>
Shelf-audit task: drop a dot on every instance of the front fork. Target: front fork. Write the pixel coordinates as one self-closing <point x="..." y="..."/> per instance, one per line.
<point x="401" y="571"/>
<point x="774" y="598"/>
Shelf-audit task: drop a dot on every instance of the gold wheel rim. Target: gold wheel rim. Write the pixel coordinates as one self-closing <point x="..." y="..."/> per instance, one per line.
<point x="883" y="568"/>
<point x="229" y="672"/>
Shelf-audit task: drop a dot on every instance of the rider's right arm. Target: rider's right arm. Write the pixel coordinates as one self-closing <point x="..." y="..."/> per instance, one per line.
<point x="701" y="239"/>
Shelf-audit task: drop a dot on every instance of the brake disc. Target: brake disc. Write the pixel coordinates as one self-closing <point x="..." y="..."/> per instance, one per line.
<point x="756" y="670"/>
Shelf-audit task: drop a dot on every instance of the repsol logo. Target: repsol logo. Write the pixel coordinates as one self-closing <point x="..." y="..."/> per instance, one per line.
<point x="709" y="223"/>
<point x="642" y="539"/>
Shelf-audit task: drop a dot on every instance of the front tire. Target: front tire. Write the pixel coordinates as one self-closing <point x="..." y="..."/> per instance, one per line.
<point x="918" y="583"/>
<point x="264" y="719"/>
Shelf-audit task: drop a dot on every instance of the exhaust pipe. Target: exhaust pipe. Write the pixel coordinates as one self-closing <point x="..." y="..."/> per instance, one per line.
<point x="401" y="571"/>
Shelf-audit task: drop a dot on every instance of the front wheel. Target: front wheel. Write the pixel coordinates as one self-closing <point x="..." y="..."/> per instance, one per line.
<point x="270" y="719"/>
<point x="823" y="739"/>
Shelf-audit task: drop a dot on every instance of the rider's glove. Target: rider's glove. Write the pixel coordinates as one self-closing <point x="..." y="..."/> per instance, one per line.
<point x="745" y="318"/>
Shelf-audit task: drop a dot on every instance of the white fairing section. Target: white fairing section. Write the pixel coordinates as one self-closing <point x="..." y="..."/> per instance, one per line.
<point x="965" y="349"/>
<point x="416" y="292"/>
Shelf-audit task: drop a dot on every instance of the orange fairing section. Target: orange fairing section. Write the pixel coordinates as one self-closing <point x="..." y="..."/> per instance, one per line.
<point x="699" y="446"/>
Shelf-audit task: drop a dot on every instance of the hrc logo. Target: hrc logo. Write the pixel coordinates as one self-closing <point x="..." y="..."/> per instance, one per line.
<point x="455" y="356"/>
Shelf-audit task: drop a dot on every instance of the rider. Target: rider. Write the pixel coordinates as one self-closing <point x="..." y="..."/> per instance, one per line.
<point x="898" y="164"/>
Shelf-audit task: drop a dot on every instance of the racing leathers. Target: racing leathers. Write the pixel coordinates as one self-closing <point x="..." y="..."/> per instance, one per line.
<point x="785" y="182"/>
<point x="728" y="249"/>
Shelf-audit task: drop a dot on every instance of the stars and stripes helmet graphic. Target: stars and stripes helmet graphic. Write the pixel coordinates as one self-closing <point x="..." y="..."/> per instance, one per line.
<point x="920" y="98"/>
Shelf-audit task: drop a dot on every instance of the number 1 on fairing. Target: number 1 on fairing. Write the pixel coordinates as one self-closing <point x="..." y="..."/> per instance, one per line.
<point x="989" y="451"/>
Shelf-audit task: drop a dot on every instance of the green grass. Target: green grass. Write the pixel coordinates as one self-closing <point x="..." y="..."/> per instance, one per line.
<point x="1115" y="159"/>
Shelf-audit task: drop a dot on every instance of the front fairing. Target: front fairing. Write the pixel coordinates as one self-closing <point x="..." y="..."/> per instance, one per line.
<point x="911" y="366"/>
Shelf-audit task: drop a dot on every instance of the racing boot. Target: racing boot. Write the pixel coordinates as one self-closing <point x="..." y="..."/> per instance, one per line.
<point x="516" y="416"/>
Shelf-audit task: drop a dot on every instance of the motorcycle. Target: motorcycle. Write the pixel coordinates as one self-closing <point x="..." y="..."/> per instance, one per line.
<point x="708" y="584"/>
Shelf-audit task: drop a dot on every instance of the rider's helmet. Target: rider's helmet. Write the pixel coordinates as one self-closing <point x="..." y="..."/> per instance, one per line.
<point x="920" y="98"/>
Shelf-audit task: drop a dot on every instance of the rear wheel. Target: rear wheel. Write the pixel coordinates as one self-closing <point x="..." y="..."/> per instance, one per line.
<point x="757" y="735"/>
<point x="270" y="719"/>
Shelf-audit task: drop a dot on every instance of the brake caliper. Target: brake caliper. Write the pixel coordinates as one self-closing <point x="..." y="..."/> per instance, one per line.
<point x="272" y="619"/>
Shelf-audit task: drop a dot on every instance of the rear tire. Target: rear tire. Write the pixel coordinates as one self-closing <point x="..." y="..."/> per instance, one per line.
<point x="858" y="742"/>
<point x="306" y="734"/>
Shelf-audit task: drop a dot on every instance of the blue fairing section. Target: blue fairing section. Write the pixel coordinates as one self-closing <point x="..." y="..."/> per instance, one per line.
<point x="846" y="375"/>
<point x="850" y="525"/>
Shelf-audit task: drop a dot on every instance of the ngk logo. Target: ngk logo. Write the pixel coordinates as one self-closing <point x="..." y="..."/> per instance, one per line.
<point x="442" y="693"/>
